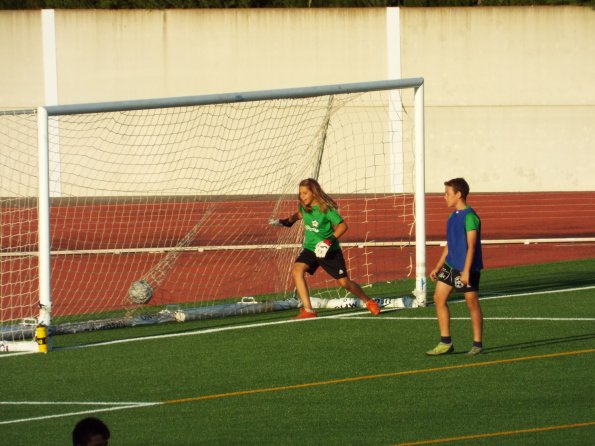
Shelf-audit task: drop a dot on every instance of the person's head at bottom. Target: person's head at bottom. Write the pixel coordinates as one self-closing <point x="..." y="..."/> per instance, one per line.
<point x="90" y="431"/>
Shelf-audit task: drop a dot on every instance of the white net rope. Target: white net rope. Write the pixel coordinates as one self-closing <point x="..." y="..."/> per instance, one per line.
<point x="18" y="217"/>
<point x="180" y="198"/>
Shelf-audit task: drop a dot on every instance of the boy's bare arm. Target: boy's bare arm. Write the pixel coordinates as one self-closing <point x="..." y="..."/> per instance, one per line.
<point x="440" y="263"/>
<point x="471" y="242"/>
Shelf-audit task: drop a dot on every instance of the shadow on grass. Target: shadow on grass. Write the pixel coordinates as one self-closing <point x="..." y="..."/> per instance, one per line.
<point x="531" y="279"/>
<point x="538" y="343"/>
<point x="535" y="278"/>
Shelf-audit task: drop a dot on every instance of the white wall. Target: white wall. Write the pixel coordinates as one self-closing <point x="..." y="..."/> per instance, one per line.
<point x="509" y="91"/>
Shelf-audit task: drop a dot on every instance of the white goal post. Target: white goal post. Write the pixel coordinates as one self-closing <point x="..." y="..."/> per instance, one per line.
<point x="169" y="199"/>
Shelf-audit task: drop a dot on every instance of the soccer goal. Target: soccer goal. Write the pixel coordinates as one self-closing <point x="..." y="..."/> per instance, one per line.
<point x="125" y="213"/>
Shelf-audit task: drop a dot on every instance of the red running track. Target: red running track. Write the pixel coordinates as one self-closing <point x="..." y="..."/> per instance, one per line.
<point x="504" y="217"/>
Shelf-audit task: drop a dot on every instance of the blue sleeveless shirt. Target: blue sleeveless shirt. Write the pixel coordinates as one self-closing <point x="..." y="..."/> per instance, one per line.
<point x="459" y="223"/>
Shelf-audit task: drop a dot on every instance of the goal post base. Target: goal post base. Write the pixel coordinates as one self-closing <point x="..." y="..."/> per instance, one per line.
<point x="247" y="305"/>
<point x="23" y="346"/>
<point x="420" y="299"/>
<point x="26" y="336"/>
<point x="353" y="302"/>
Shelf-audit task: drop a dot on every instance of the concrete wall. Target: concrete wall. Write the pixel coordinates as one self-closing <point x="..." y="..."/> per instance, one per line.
<point x="509" y="93"/>
<point x="21" y="60"/>
<point x="105" y="55"/>
<point x="510" y="102"/>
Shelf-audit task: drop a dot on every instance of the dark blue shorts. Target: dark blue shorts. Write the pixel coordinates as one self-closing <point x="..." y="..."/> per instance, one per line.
<point x="452" y="277"/>
<point x="333" y="263"/>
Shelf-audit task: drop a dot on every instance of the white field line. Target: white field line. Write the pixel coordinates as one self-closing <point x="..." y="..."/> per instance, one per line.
<point x="190" y="333"/>
<point x="502" y="296"/>
<point x="114" y="407"/>
<point x="8" y="355"/>
<point x="73" y="403"/>
<point x="169" y="335"/>
<point x="567" y="290"/>
<point x="289" y="321"/>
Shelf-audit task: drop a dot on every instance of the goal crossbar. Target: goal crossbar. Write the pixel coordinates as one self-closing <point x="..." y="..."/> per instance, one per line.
<point x="226" y="98"/>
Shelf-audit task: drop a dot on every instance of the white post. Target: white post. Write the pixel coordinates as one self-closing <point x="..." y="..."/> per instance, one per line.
<point x="393" y="57"/>
<point x="420" y="196"/>
<point x="50" y="82"/>
<point x="50" y="70"/>
<point x="43" y="210"/>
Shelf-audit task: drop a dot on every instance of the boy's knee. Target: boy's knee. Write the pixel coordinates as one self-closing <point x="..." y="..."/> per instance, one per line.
<point x="472" y="298"/>
<point x="297" y="271"/>
<point x="440" y="303"/>
<point x="345" y="283"/>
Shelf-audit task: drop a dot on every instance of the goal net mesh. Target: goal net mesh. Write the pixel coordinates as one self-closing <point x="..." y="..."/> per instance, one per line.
<point x="180" y="198"/>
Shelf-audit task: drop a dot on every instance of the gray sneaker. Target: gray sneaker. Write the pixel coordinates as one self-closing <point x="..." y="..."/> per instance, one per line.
<point x="474" y="351"/>
<point x="441" y="349"/>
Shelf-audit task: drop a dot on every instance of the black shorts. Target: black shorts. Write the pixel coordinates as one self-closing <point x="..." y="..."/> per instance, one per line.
<point x="452" y="277"/>
<point x="333" y="263"/>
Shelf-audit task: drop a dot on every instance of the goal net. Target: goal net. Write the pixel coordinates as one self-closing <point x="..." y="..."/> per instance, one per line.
<point x="124" y="213"/>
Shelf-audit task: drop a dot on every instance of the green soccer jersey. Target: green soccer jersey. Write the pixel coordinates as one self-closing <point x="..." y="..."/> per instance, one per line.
<point x="318" y="226"/>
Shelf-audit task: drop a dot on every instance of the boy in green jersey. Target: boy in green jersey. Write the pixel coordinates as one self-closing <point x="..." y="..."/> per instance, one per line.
<point x="323" y="226"/>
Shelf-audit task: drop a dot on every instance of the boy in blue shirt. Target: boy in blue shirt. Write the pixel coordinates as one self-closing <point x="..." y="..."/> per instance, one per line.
<point x="459" y="267"/>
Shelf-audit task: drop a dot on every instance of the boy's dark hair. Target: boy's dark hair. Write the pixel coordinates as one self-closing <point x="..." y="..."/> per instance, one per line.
<point x="87" y="428"/>
<point x="459" y="185"/>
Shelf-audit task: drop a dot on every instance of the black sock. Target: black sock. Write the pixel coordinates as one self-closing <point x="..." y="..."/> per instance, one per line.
<point x="477" y="344"/>
<point x="445" y="339"/>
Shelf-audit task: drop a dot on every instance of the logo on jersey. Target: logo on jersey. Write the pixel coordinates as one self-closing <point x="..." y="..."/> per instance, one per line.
<point x="313" y="228"/>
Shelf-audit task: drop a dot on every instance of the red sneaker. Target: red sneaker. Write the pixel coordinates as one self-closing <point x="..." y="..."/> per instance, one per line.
<point x="373" y="307"/>
<point x="303" y="314"/>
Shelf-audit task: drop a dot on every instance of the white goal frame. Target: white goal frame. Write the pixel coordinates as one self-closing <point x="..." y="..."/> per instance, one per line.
<point x="46" y="113"/>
